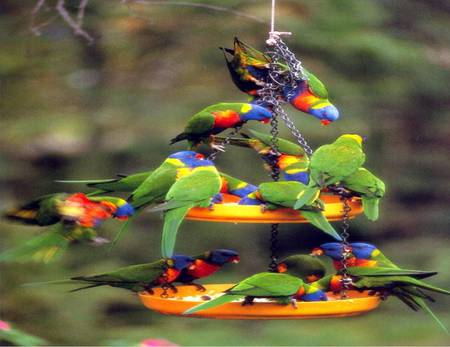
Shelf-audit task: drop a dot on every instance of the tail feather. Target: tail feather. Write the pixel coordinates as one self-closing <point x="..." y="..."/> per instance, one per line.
<point x="306" y="197"/>
<point x="43" y="248"/>
<point x="318" y="220"/>
<point x="124" y="229"/>
<point x="178" y="138"/>
<point x="427" y="309"/>
<point x="221" y="300"/>
<point x="172" y="221"/>
<point x="370" y="208"/>
<point x="86" y="287"/>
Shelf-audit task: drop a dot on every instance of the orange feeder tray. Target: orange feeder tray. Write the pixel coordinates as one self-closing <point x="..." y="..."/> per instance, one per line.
<point x="176" y="303"/>
<point x="230" y="212"/>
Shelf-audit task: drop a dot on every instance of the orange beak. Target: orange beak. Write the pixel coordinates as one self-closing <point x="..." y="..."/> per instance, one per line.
<point x="282" y="267"/>
<point x="325" y="122"/>
<point x="265" y="121"/>
<point x="317" y="251"/>
<point x="191" y="267"/>
<point x="200" y="156"/>
<point x="122" y="218"/>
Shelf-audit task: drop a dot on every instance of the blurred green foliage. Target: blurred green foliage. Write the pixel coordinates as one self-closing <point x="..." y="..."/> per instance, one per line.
<point x="71" y="110"/>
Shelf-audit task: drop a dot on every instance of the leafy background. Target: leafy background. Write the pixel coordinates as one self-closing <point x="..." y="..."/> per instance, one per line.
<point x="71" y="110"/>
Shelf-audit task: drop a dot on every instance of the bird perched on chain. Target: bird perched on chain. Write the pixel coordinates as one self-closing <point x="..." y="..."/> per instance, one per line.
<point x="249" y="70"/>
<point x="289" y="158"/>
<point x="137" y="278"/>
<point x="194" y="187"/>
<point x="306" y="267"/>
<point x="273" y="195"/>
<point x="281" y="288"/>
<point x="73" y="217"/>
<point x="218" y="117"/>
<point x="369" y="187"/>
<point x="332" y="163"/>
<point x="207" y="264"/>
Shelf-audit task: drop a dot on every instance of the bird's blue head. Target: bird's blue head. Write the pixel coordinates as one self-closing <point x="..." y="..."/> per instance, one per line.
<point x="181" y="262"/>
<point x="326" y="114"/>
<point x="200" y="163"/>
<point x="124" y="210"/>
<point x="222" y="256"/>
<point x="317" y="295"/>
<point x="333" y="250"/>
<point x="187" y="157"/>
<point x="362" y="250"/>
<point x="255" y="112"/>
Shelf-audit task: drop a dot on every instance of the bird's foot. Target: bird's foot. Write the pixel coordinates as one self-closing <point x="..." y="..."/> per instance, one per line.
<point x="99" y="241"/>
<point x="149" y="290"/>
<point x="199" y="287"/>
<point x="218" y="148"/>
<point x="172" y="288"/>
<point x="294" y="303"/>
<point x="264" y="208"/>
<point x="248" y="300"/>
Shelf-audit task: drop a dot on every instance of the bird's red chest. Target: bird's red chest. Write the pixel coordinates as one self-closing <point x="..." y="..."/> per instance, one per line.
<point x="336" y="283"/>
<point x="350" y="262"/>
<point x="226" y="119"/>
<point x="171" y="275"/>
<point x="365" y="262"/>
<point x="304" y="100"/>
<point x="203" y="269"/>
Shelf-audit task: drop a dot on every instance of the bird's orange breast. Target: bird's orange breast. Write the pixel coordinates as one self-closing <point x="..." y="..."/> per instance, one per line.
<point x="203" y="269"/>
<point x="226" y="119"/>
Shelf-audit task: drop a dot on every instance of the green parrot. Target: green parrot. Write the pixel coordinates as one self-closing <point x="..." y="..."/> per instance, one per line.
<point x="285" y="194"/>
<point x="304" y="266"/>
<point x="218" y="117"/>
<point x="15" y="337"/>
<point x="385" y="282"/>
<point x="281" y="288"/>
<point x="332" y="163"/>
<point x="195" y="188"/>
<point x="369" y="187"/>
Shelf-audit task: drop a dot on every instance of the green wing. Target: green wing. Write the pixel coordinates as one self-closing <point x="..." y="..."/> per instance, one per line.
<point x="201" y="123"/>
<point x="387" y="271"/>
<point x="282" y="193"/>
<point x="316" y="86"/>
<point x="155" y="187"/>
<point x="268" y="284"/>
<point x="284" y="146"/>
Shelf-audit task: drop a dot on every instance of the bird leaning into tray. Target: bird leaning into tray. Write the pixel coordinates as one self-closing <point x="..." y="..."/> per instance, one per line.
<point x="281" y="288"/>
<point x="275" y="195"/>
<point x="249" y="70"/>
<point x="369" y="269"/>
<point x="304" y="266"/>
<point x="332" y="163"/>
<point x="216" y="118"/>
<point x="73" y="217"/>
<point x="207" y="264"/>
<point x="290" y="158"/>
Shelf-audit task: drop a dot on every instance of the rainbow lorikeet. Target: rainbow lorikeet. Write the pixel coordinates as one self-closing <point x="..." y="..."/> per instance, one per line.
<point x="195" y="187"/>
<point x="249" y="69"/>
<point x="235" y="186"/>
<point x="291" y="158"/>
<point x="281" y="288"/>
<point x="137" y="278"/>
<point x="73" y="217"/>
<point x="274" y="195"/>
<point x="16" y="337"/>
<point x="369" y="187"/>
<point x="332" y="163"/>
<point x="218" y="117"/>
<point x="386" y="282"/>
<point x="306" y="267"/>
<point x="207" y="264"/>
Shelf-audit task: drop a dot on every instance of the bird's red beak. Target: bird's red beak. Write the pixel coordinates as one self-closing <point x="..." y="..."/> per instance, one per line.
<point x="282" y="267"/>
<point x="325" y="122"/>
<point x="122" y="218"/>
<point x="191" y="267"/>
<point x="235" y="259"/>
<point x="199" y="156"/>
<point x="265" y="121"/>
<point x="317" y="251"/>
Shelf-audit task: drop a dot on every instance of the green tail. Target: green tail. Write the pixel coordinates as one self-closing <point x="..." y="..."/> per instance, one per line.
<point x="306" y="197"/>
<point x="317" y="219"/>
<point x="172" y="221"/>
<point x="43" y="248"/>
<point x="226" y="298"/>
<point x="38" y="284"/>
<point x="370" y="208"/>
<point x="124" y="229"/>
<point x="427" y="309"/>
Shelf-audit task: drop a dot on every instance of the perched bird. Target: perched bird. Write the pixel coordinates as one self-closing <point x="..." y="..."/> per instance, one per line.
<point x="195" y="187"/>
<point x="10" y="336"/>
<point x="386" y="282"/>
<point x="369" y="187"/>
<point x="139" y="277"/>
<point x="73" y="218"/>
<point x="218" y="117"/>
<point x="290" y="159"/>
<point x="332" y="163"/>
<point x="249" y="69"/>
<point x="281" y="288"/>
<point x="306" y="267"/>
<point x="274" y="195"/>
<point x="207" y="264"/>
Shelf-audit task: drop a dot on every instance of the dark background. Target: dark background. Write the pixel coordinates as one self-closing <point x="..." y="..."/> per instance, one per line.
<point x="71" y="110"/>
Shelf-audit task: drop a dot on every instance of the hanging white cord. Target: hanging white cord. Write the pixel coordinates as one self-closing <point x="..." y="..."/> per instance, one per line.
<point x="274" y="36"/>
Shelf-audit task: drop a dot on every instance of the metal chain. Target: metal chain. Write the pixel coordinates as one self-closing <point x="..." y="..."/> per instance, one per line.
<point x="225" y="142"/>
<point x="346" y="279"/>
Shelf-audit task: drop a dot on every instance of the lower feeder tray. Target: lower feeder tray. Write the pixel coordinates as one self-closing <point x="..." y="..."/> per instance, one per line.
<point x="356" y="303"/>
<point x="229" y="211"/>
